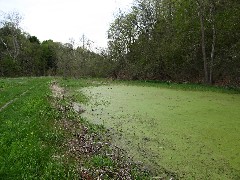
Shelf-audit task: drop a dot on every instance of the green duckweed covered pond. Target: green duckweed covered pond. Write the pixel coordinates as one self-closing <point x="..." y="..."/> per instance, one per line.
<point x="194" y="134"/>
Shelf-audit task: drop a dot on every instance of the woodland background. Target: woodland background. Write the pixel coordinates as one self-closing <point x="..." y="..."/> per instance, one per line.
<point x="195" y="41"/>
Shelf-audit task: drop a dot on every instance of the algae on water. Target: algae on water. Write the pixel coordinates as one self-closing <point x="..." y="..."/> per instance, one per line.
<point x="193" y="133"/>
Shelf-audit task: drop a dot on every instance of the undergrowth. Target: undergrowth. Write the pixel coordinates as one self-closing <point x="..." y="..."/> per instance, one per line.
<point x="183" y="86"/>
<point x="75" y="84"/>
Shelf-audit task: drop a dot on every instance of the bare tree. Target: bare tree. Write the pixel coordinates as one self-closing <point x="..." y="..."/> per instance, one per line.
<point x="12" y="22"/>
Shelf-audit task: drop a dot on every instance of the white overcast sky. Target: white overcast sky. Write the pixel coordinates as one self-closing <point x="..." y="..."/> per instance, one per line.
<point x="60" y="20"/>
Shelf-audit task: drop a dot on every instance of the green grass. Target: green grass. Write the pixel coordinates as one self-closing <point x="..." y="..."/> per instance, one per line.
<point x="11" y="88"/>
<point x="190" y="130"/>
<point x="183" y="86"/>
<point x="29" y="140"/>
<point x="101" y="161"/>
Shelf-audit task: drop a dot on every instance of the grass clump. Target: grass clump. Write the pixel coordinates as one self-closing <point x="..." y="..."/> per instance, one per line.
<point x="100" y="161"/>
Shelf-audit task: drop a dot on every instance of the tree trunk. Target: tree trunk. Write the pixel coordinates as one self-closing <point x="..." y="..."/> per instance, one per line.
<point x="213" y="44"/>
<point x="201" y="16"/>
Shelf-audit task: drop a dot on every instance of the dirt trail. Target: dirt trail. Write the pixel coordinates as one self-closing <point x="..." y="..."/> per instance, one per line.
<point x="13" y="100"/>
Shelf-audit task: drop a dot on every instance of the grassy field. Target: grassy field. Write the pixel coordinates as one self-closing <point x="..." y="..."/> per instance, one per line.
<point x="29" y="141"/>
<point x="190" y="130"/>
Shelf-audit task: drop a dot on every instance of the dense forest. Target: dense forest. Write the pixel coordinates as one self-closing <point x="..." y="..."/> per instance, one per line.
<point x="179" y="40"/>
<point x="169" y="40"/>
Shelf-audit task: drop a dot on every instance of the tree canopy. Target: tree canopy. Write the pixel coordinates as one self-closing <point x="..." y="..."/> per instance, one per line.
<point x="169" y="40"/>
<point x="22" y="54"/>
<point x="178" y="40"/>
